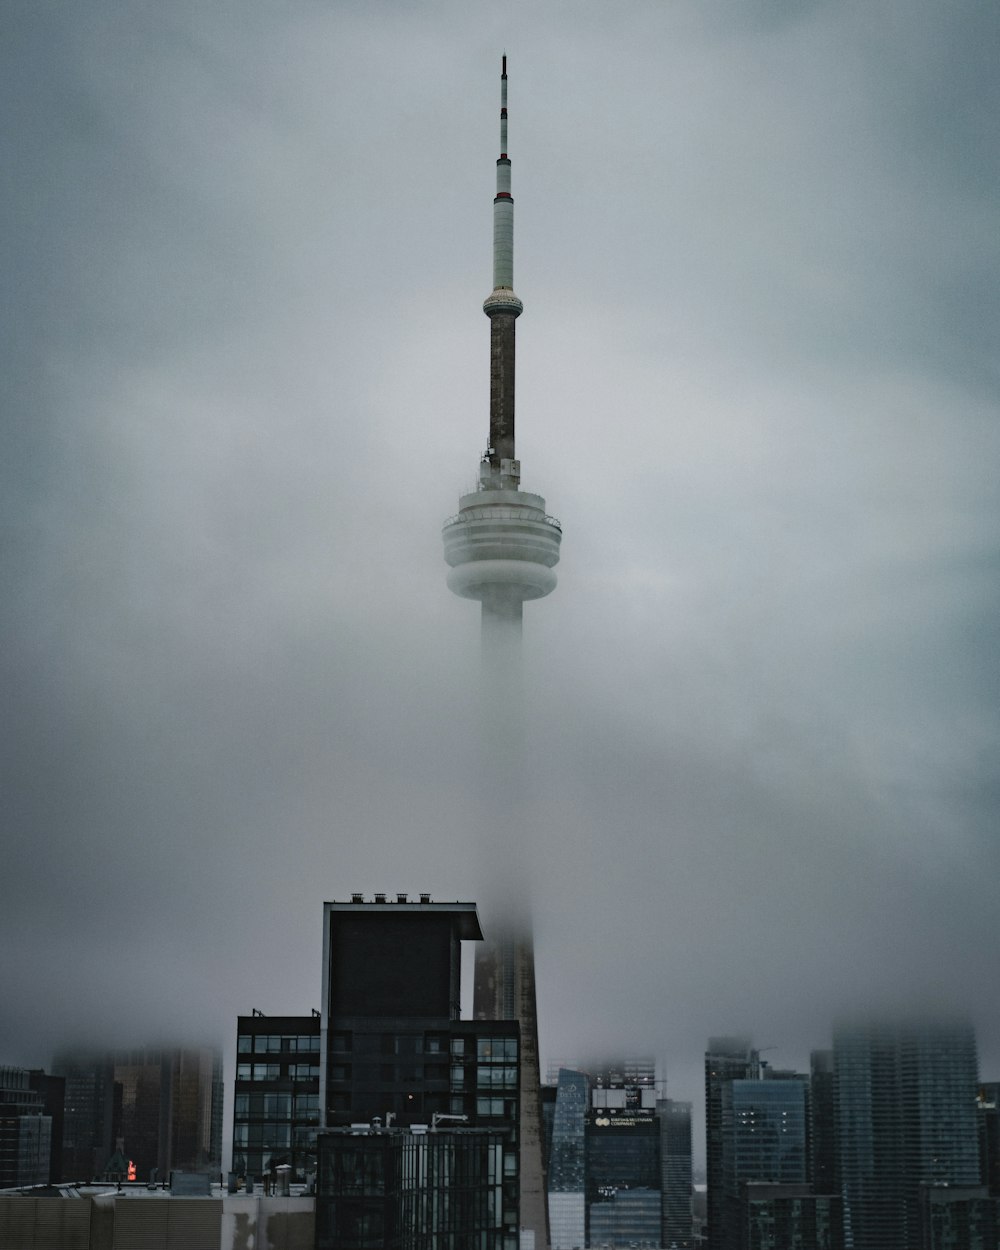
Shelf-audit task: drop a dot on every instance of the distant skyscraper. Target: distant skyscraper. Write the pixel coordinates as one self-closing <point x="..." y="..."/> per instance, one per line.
<point x="502" y="548"/>
<point x="906" y="1118"/>
<point x="171" y="1108"/>
<point x="727" y="1059"/>
<point x="92" y="1112"/>
<point x="988" y="1119"/>
<point x="568" y="1163"/>
<point x="675" y="1171"/>
<point x="624" y="1172"/>
<point x="822" y="1123"/>
<point x="25" y="1131"/>
<point x="763" y="1139"/>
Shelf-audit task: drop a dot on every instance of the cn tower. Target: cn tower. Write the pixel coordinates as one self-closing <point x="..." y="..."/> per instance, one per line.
<point x="501" y="545"/>
<point x="502" y="548"/>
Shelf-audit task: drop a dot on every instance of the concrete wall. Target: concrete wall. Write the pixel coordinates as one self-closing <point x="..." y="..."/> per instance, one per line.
<point x="128" y="1221"/>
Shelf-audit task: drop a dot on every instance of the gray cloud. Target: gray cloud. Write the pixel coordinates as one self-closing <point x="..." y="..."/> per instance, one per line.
<point x="245" y="381"/>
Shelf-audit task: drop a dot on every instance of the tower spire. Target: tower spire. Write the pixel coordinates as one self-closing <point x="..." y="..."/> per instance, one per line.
<point x="503" y="308"/>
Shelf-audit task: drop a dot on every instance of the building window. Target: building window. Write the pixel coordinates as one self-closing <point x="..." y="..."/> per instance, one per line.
<point x="244" y="1044"/>
<point x="496" y="1049"/>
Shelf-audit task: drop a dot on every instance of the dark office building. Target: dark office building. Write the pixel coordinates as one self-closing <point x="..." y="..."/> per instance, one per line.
<point x="988" y="1120"/>
<point x="395" y="1052"/>
<point x="398" y="1189"/>
<point x="906" y="1118"/>
<point x="727" y="1059"/>
<point x="25" y="1131"/>
<point x="276" y="1100"/>
<point x="959" y="1218"/>
<point x="171" y="1109"/>
<point x="822" y="1169"/>
<point x="52" y="1091"/>
<point x="789" y="1217"/>
<point x="675" y="1173"/>
<point x="623" y="1177"/>
<point x="567" y="1170"/>
<point x="91" y="1112"/>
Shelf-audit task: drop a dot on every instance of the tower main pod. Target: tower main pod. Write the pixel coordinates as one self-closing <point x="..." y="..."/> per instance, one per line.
<point x="502" y="549"/>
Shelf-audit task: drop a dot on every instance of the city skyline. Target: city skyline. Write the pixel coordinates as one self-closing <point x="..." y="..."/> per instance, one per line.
<point x="755" y="377"/>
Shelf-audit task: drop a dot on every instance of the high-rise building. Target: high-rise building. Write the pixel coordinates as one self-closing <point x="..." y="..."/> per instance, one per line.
<point x="410" y="1190"/>
<point x="988" y="1119"/>
<point x="91" y="1112"/>
<point x="52" y="1091"/>
<point x="276" y="1101"/>
<point x="783" y="1217"/>
<point x="398" y="1061"/>
<point x="763" y="1140"/>
<point x="675" y="1172"/>
<point x="957" y="1217"/>
<point x="502" y="547"/>
<point x="624" y="1197"/>
<point x="171" y="1108"/>
<point x="727" y="1059"/>
<point x="25" y="1131"/>
<point x="906" y="1118"/>
<point x="567" y="1171"/>
<point x="822" y="1123"/>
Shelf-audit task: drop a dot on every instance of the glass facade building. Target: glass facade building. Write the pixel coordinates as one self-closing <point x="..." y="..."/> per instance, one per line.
<point x="906" y="1117"/>
<point x="402" y="1190"/>
<point x="764" y="1133"/>
<point x="789" y="1217"/>
<point x="626" y="1218"/>
<point x="25" y="1131"/>
<point x="727" y="1059"/>
<point x="675" y="1170"/>
<point x="276" y="1098"/>
<point x="171" y="1108"/>
<point x="959" y="1218"/>
<point x="91" y="1112"/>
<point x="568" y="1163"/>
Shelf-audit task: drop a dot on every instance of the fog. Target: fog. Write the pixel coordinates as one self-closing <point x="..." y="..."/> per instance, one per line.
<point x="245" y="379"/>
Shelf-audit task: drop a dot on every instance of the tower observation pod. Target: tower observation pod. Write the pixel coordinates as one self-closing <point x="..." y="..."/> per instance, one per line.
<point x="501" y="545"/>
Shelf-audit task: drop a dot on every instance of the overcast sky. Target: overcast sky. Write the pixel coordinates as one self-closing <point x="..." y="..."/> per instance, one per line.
<point x="245" y="379"/>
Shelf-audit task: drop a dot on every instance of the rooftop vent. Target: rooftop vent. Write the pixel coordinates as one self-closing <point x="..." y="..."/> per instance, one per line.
<point x="357" y="898"/>
<point x="425" y="898"/>
<point x="400" y="898"/>
<point x="379" y="898"/>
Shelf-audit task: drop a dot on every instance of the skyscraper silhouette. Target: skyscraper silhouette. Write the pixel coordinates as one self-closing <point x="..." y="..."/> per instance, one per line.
<point x="906" y="1118"/>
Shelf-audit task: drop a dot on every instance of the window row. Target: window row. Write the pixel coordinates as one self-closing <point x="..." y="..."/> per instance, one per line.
<point x="496" y="1078"/>
<point x="488" y="1049"/>
<point x="490" y="1107"/>
<point x="275" y="1044"/>
<point x="273" y="1071"/>
<point x="276" y="1107"/>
